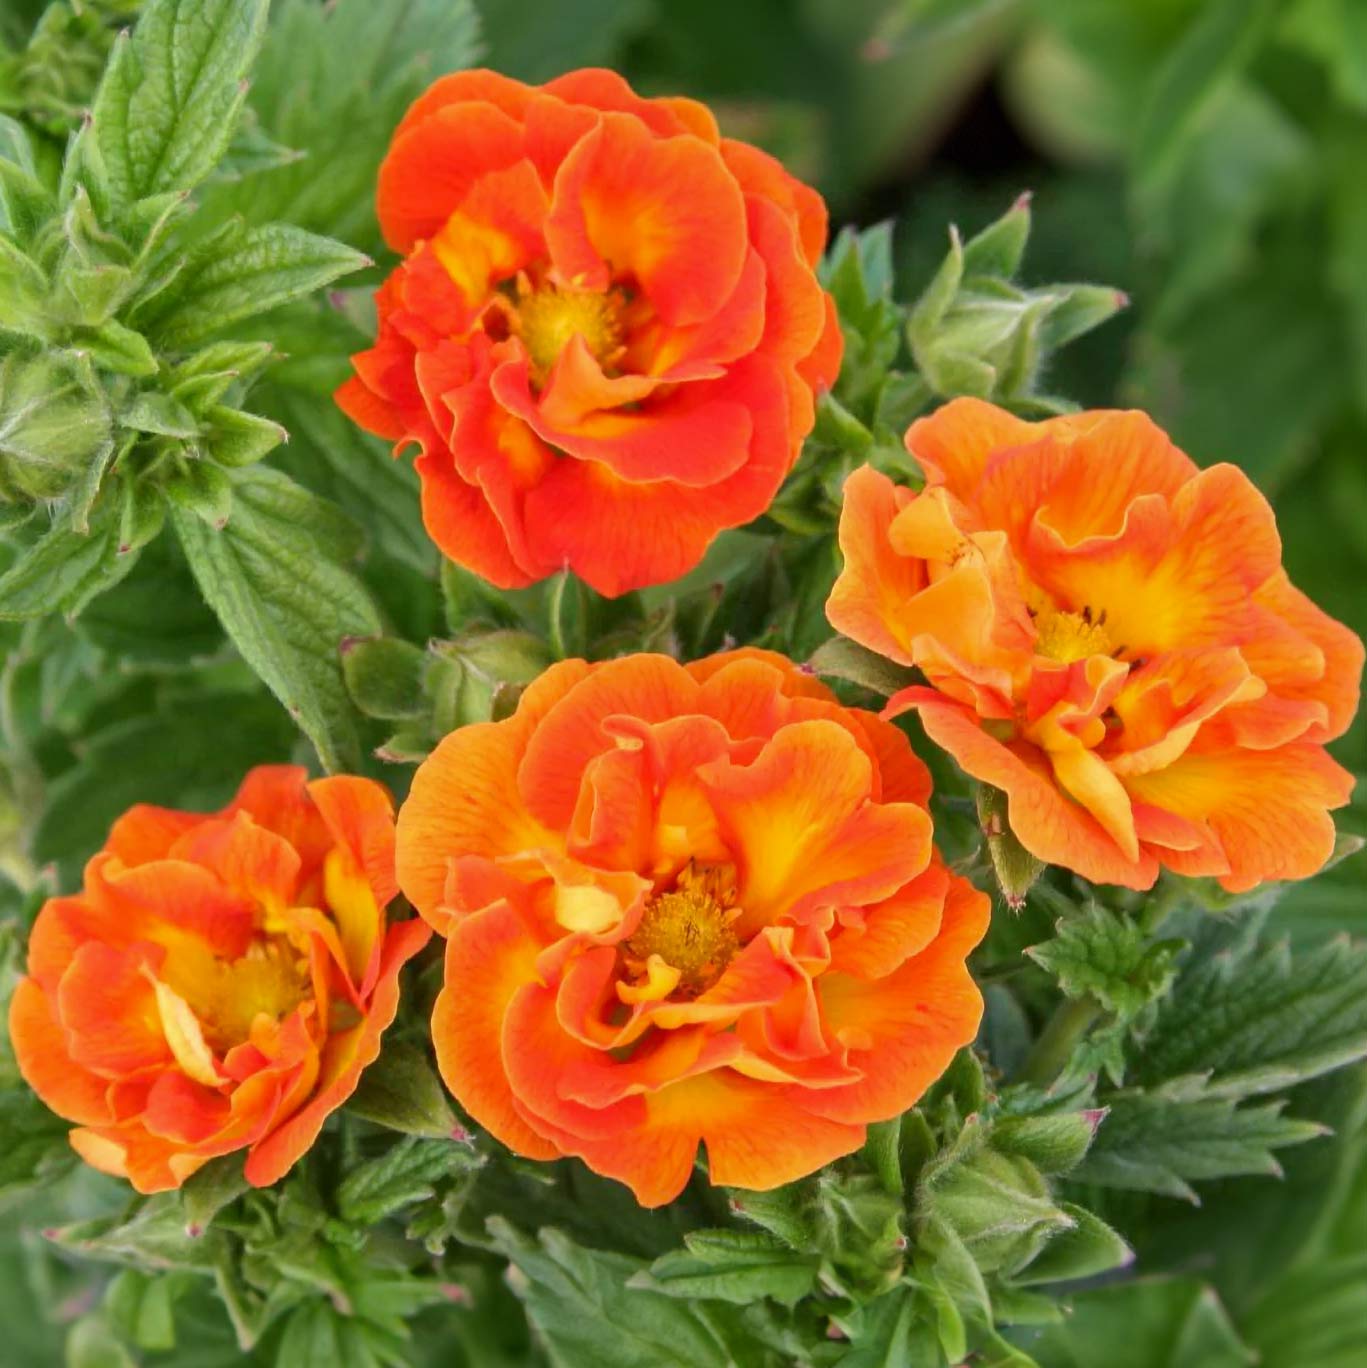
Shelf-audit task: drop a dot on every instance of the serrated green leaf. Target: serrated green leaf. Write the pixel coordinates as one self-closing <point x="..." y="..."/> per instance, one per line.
<point x="405" y="1173"/>
<point x="169" y="102"/>
<point x="1260" y="1020"/>
<point x="571" y="1293"/>
<point x="331" y="83"/>
<point x="1163" y="1142"/>
<point x="246" y="272"/>
<point x="64" y="569"/>
<point x="1106" y="955"/>
<point x="274" y="577"/>
<point x="334" y="457"/>
<point x="734" y="1266"/>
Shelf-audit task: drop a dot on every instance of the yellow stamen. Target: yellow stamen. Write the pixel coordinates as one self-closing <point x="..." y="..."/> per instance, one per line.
<point x="690" y="929"/>
<point x="226" y="996"/>
<point x="547" y="319"/>
<point x="1067" y="637"/>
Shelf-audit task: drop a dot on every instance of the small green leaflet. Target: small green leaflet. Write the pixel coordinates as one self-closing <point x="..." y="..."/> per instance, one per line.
<point x="172" y="94"/>
<point x="274" y="575"/>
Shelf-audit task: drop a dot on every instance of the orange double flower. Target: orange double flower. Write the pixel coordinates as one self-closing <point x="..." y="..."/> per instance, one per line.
<point x="606" y="332"/>
<point x="688" y="904"/>
<point x="1108" y="636"/>
<point x="220" y="982"/>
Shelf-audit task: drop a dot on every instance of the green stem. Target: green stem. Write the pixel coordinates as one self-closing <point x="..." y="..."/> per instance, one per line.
<point x="1072" y="1019"/>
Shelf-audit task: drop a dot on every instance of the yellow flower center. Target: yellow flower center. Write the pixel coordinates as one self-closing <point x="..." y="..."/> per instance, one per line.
<point x="547" y="319"/>
<point x="691" y="928"/>
<point x="226" y="996"/>
<point x="1067" y="637"/>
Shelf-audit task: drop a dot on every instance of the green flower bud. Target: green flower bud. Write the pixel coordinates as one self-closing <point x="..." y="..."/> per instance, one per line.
<point x="52" y="428"/>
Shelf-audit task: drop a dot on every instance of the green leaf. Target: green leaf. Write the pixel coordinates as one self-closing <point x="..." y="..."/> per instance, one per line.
<point x="159" y="414"/>
<point x="64" y="569"/>
<point x="888" y="1335"/>
<point x="207" y="1191"/>
<point x="732" y="1265"/>
<point x="840" y="658"/>
<point x="402" y="1092"/>
<point x="204" y="489"/>
<point x="1315" y="1316"/>
<point x="1000" y="1207"/>
<point x="572" y="1294"/>
<point x="334" y="457"/>
<point x="245" y="272"/>
<point x="170" y="99"/>
<point x="1164" y="1141"/>
<point x="1089" y="1247"/>
<point x="1054" y="1143"/>
<point x="406" y="1172"/>
<point x="331" y="83"/>
<point x="151" y="1236"/>
<point x="273" y="575"/>
<point x="998" y="249"/>
<point x="36" y="1151"/>
<point x="1260" y="1020"/>
<point x="1150" y="1323"/>
<point x="54" y="426"/>
<point x="1108" y="956"/>
<point x="1221" y="40"/>
<point x="142" y="1307"/>
<point x="235" y="438"/>
<point x="385" y="677"/>
<point x="92" y="1342"/>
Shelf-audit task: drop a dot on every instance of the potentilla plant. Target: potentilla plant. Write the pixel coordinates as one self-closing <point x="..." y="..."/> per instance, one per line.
<point x="695" y="814"/>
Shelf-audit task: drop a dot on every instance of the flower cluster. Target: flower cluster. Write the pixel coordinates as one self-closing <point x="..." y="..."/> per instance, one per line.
<point x="606" y="332"/>
<point x="691" y="904"/>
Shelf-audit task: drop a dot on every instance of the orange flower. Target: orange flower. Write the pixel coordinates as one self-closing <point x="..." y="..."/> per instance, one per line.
<point x="222" y="980"/>
<point x="1110" y="639"/>
<point x="682" y="904"/>
<point x="606" y="332"/>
